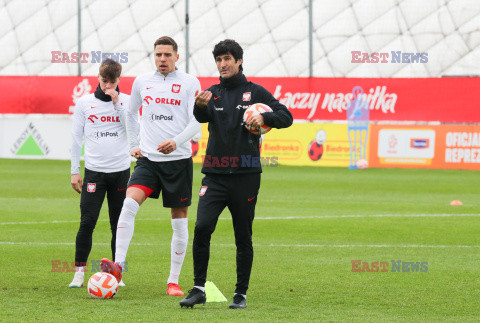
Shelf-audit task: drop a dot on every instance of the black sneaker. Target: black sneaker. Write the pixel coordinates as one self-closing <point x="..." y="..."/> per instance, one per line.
<point x="195" y="296"/>
<point x="238" y="302"/>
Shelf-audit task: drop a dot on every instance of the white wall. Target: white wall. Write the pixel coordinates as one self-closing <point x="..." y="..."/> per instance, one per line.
<point x="273" y="33"/>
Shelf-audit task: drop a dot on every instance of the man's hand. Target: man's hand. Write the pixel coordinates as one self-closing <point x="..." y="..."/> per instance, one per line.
<point x="255" y="121"/>
<point x="136" y="152"/>
<point x="167" y="146"/>
<point x="113" y="94"/>
<point x="202" y="98"/>
<point x="76" y="182"/>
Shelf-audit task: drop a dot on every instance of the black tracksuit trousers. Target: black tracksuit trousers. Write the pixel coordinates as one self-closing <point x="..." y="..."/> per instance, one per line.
<point x="239" y="193"/>
<point x="114" y="185"/>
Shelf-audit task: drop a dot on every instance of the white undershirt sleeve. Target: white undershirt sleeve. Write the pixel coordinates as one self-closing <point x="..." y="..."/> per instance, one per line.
<point x="193" y="126"/>
<point x="133" y="126"/>
<point x="77" y="137"/>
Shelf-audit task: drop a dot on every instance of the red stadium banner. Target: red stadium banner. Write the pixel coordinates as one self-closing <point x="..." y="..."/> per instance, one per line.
<point x="448" y="100"/>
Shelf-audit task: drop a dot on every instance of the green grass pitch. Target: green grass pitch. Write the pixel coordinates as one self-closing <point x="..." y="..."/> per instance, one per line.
<point x="310" y="224"/>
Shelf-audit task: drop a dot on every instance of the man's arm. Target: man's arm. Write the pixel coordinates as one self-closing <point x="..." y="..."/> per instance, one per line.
<point x="122" y="113"/>
<point x="76" y="150"/>
<point x="280" y="117"/>
<point x="133" y="126"/>
<point x="200" y="109"/>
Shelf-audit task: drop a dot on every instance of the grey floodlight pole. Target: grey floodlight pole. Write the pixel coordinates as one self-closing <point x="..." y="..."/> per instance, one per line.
<point x="310" y="38"/>
<point x="79" y="34"/>
<point x="187" y="41"/>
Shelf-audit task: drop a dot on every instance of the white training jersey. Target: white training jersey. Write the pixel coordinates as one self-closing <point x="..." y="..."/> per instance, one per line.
<point x="167" y="113"/>
<point x="103" y="126"/>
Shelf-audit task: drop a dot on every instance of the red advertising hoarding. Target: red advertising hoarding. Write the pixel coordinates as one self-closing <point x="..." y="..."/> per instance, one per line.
<point x="447" y="100"/>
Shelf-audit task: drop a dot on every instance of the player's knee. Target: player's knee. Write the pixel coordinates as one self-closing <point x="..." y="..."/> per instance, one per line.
<point x="243" y="240"/>
<point x="87" y="226"/>
<point x="179" y="212"/>
<point x="203" y="228"/>
<point x="136" y="194"/>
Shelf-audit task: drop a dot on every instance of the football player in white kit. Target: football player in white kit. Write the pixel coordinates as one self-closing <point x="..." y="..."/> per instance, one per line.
<point x="100" y="118"/>
<point x="164" y="162"/>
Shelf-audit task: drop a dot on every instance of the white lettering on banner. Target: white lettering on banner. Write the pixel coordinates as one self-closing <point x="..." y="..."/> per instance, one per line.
<point x="297" y="100"/>
<point x="378" y="99"/>
<point x="463" y="139"/>
<point x="460" y="155"/>
<point x="462" y="151"/>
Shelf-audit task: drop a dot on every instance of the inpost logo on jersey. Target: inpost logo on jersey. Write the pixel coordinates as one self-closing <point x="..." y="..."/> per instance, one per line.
<point x="92" y="57"/>
<point x="105" y="134"/>
<point x="156" y="117"/>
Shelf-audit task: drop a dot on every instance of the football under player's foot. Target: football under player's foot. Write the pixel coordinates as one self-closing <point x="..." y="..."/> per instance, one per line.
<point x="195" y="296"/>
<point x="111" y="268"/>
<point x="77" y="281"/>
<point x="121" y="284"/>
<point x="238" y="301"/>
<point x="174" y="290"/>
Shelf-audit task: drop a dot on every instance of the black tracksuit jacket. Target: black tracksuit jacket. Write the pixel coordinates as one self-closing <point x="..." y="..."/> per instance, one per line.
<point x="231" y="148"/>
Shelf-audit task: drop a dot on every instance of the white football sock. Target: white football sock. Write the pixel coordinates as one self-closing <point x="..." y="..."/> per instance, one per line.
<point x="244" y="296"/>
<point x="125" y="226"/>
<point x="78" y="278"/>
<point x="178" y="248"/>
<point x="79" y="272"/>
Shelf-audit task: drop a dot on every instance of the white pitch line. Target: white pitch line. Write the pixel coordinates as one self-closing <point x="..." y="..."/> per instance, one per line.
<point x="272" y="218"/>
<point x="38" y="199"/>
<point x="361" y="216"/>
<point x="255" y="245"/>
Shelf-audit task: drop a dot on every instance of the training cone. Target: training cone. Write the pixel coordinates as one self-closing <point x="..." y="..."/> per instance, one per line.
<point x="456" y="202"/>
<point x="213" y="293"/>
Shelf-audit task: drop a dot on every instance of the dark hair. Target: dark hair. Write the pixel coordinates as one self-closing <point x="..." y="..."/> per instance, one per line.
<point x="165" y="40"/>
<point x="228" y="46"/>
<point x="110" y="69"/>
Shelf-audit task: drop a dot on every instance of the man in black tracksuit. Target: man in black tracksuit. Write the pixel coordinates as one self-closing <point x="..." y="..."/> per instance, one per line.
<point x="231" y="166"/>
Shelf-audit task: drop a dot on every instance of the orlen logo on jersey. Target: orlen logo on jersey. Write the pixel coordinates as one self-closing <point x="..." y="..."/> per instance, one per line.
<point x="94" y="118"/>
<point x="106" y="134"/>
<point x="156" y="117"/>
<point x="149" y="99"/>
<point x="239" y="107"/>
<point x="419" y="143"/>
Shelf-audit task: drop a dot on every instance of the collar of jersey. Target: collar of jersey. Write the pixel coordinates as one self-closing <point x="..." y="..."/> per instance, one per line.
<point x="233" y="81"/>
<point x="172" y="74"/>
<point x="99" y="94"/>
